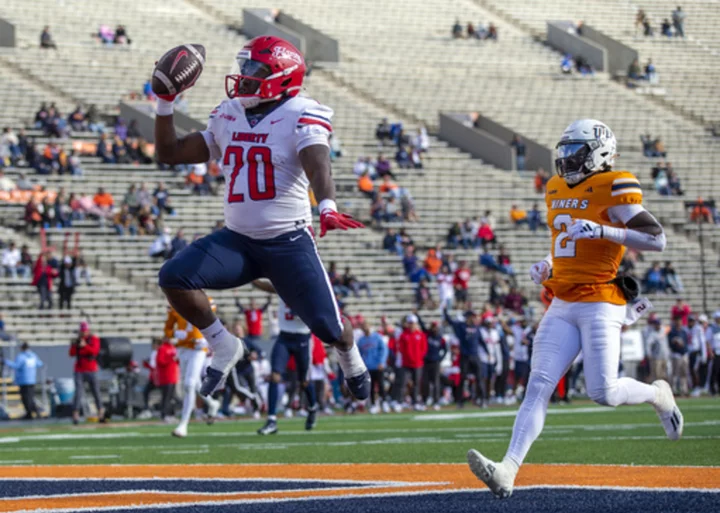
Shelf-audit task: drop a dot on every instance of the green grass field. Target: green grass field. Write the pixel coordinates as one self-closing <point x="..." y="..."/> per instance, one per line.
<point x="581" y="433"/>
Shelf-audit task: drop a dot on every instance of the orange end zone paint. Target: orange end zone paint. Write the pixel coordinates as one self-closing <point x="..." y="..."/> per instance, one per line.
<point x="399" y="478"/>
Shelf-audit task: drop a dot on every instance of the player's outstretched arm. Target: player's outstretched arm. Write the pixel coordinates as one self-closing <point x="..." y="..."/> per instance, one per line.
<point x="315" y="161"/>
<point x="191" y="149"/>
<point x="642" y="231"/>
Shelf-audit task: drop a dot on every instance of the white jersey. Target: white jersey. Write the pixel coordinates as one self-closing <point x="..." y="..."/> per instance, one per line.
<point x="266" y="191"/>
<point x="288" y="321"/>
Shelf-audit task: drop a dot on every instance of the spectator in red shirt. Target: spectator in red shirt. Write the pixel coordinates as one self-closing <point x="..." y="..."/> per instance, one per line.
<point x="682" y="310"/>
<point x="515" y="301"/>
<point x="43" y="275"/>
<point x="85" y="349"/>
<point x="461" y="283"/>
<point x="412" y="346"/>
<point x="253" y="318"/>
<point x="485" y="236"/>
<point x="167" y="374"/>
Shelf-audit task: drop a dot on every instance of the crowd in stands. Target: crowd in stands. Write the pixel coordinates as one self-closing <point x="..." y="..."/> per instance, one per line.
<point x="480" y="32"/>
<point x="47" y="271"/>
<point x="669" y="27"/>
<point x="109" y="37"/>
<point x="377" y="179"/>
<point x="686" y="352"/>
<point x="575" y="64"/>
<point x="666" y="180"/>
<point x="635" y="73"/>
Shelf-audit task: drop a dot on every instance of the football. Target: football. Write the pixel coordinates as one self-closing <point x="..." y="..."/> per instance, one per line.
<point x="178" y="69"/>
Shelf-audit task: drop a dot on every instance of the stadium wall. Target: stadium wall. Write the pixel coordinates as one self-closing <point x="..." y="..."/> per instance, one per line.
<point x="259" y="22"/>
<point x="478" y="143"/>
<point x="561" y="36"/>
<point x="318" y="46"/>
<point x="7" y="34"/>
<point x="619" y="55"/>
<point x="144" y="113"/>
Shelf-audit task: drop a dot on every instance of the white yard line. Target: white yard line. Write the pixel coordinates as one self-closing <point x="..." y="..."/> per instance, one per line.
<point x="94" y="456"/>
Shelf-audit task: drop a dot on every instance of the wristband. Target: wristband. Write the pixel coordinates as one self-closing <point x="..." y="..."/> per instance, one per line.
<point x="164" y="107"/>
<point x="613" y="234"/>
<point x="548" y="260"/>
<point x="327" y="204"/>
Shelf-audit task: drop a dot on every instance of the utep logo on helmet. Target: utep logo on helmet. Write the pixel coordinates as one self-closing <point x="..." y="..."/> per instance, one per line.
<point x="602" y="132"/>
<point x="280" y="52"/>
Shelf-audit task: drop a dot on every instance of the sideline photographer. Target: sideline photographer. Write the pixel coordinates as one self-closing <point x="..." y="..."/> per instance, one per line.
<point x="85" y="349"/>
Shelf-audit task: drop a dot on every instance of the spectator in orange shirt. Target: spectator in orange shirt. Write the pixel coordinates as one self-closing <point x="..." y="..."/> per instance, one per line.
<point x="541" y="178"/>
<point x="432" y="263"/>
<point x="518" y="216"/>
<point x="103" y="204"/>
<point x="366" y="186"/>
<point x="387" y="185"/>
<point x="701" y="213"/>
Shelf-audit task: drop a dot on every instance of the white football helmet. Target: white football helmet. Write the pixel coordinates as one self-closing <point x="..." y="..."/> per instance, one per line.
<point x="586" y="147"/>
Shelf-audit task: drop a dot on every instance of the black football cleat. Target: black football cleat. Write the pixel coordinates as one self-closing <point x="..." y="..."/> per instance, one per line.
<point x="311" y="419"/>
<point x="359" y="386"/>
<point x="270" y="428"/>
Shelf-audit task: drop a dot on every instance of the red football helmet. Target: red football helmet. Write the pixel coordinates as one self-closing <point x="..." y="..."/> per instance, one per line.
<point x="267" y="69"/>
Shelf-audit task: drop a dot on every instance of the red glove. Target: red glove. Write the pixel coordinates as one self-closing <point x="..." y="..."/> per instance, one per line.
<point x="167" y="97"/>
<point x="332" y="220"/>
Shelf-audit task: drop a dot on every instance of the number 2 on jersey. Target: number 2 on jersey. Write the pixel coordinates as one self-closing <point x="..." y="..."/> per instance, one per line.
<point x="257" y="156"/>
<point x="564" y="247"/>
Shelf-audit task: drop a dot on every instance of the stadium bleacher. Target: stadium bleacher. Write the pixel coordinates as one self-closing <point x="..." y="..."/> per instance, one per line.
<point x="411" y="65"/>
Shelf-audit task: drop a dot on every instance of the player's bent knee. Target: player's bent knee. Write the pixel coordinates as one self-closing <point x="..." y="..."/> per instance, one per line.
<point x="327" y="330"/>
<point x="607" y="396"/>
<point x="275" y="377"/>
<point x="176" y="273"/>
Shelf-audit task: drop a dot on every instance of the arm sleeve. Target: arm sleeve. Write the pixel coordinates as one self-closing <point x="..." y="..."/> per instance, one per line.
<point x="239" y="305"/>
<point x="209" y="133"/>
<point x="421" y="323"/>
<point x="313" y="126"/>
<point x="170" y="324"/>
<point x="11" y="364"/>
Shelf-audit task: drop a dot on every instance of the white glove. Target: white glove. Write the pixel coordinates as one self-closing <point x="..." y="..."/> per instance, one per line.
<point x="180" y="334"/>
<point x="584" y="229"/>
<point x="540" y="271"/>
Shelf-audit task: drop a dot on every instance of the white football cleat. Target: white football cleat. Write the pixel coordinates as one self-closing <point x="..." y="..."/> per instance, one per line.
<point x="224" y="358"/>
<point x="668" y="411"/>
<point x="374" y="409"/>
<point x="180" y="431"/>
<point x="499" y="477"/>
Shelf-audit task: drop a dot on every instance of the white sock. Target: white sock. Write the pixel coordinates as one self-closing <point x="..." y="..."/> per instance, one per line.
<point x="216" y="334"/>
<point x="351" y="362"/>
<point x="188" y="405"/>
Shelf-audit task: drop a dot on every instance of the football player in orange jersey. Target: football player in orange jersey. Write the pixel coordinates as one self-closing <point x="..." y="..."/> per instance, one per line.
<point x="193" y="355"/>
<point x="594" y="214"/>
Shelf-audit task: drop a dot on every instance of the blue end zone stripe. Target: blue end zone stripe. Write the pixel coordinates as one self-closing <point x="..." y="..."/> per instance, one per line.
<point x="619" y="186"/>
<point x="522" y="501"/>
<point x="18" y="488"/>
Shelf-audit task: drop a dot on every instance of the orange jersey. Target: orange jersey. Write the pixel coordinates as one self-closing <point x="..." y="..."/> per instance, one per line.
<point x="582" y="270"/>
<point x="174" y="323"/>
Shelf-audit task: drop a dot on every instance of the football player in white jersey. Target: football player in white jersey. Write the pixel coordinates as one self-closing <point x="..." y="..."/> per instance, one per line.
<point x="293" y="340"/>
<point x="272" y="144"/>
